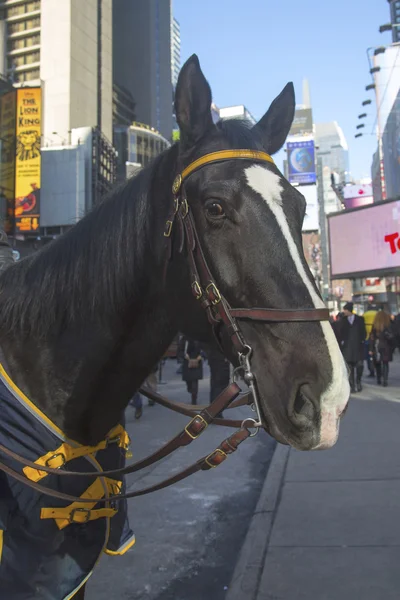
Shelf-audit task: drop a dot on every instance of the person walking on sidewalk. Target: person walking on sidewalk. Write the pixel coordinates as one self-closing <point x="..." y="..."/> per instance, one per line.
<point x="369" y="318"/>
<point x="381" y="346"/>
<point x="192" y="370"/>
<point x="352" y="338"/>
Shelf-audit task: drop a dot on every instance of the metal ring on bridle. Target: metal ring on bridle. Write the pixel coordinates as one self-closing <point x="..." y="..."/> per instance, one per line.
<point x="254" y="425"/>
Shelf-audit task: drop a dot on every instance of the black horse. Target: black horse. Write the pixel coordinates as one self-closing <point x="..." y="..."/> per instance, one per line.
<point x="83" y="321"/>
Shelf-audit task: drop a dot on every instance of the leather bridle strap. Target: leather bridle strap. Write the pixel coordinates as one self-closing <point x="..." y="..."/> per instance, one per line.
<point x="211" y="461"/>
<point x="190" y="411"/>
<point x="191" y="432"/>
<point x="277" y="315"/>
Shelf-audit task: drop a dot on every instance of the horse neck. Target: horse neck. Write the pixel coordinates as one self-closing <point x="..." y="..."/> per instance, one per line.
<point x="82" y="368"/>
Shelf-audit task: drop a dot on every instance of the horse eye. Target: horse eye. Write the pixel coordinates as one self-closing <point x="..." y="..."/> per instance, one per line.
<point x="215" y="209"/>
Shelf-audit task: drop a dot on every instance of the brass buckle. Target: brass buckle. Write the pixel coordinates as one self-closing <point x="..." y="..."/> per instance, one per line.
<point x="184" y="208"/>
<point x="213" y="288"/>
<point x="176" y="186"/>
<point x="217" y="452"/>
<point x="168" y="228"/>
<point x="197" y="290"/>
<point x="56" y="455"/>
<point x="86" y="511"/>
<point x="202" y="421"/>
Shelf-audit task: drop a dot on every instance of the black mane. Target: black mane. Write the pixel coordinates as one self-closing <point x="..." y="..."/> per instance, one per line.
<point x="44" y="292"/>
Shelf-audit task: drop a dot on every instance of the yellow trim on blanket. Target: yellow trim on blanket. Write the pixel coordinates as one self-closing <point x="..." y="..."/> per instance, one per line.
<point x="127" y="546"/>
<point x="55" y="459"/>
<point x="81" y="512"/>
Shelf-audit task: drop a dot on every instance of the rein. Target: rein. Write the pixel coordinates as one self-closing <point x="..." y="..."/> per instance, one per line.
<point x="220" y="314"/>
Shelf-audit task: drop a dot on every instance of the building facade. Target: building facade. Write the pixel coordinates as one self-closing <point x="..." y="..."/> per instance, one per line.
<point x="142" y="59"/>
<point x="136" y="145"/>
<point x="236" y="112"/>
<point x="66" y="47"/>
<point x="391" y="150"/>
<point x="395" y="19"/>
<point x="175" y="51"/>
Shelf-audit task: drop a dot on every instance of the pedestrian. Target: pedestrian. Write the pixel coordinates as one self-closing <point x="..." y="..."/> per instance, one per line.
<point x="192" y="370"/>
<point x="381" y="342"/>
<point x="180" y="353"/>
<point x="352" y="336"/>
<point x="336" y="326"/>
<point x="137" y="403"/>
<point x="369" y="318"/>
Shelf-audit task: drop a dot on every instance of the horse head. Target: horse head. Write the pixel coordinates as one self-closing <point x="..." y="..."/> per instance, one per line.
<point x="248" y="220"/>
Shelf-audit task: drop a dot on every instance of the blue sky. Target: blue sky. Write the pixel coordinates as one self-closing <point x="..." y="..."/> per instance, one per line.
<point x="249" y="50"/>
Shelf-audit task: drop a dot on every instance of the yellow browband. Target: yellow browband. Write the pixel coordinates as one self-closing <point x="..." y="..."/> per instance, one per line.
<point x="216" y="157"/>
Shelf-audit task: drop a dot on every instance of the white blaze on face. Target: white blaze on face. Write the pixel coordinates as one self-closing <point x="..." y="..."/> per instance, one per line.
<point x="334" y="399"/>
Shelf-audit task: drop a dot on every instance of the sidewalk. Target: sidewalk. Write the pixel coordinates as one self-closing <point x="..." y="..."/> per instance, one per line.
<point x="327" y="525"/>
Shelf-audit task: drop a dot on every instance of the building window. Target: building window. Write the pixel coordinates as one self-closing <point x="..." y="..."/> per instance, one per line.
<point x="32" y="40"/>
<point x="27" y="76"/>
<point x="14" y="11"/>
<point x="32" y="23"/>
<point x="16" y="27"/>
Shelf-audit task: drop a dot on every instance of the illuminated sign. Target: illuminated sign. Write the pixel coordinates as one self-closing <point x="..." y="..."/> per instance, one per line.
<point x="28" y="159"/>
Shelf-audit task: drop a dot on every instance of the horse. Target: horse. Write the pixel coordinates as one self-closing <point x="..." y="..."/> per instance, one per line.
<point x="84" y="320"/>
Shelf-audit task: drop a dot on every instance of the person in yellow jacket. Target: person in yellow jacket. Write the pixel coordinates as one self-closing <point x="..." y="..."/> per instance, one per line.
<point x="369" y="318"/>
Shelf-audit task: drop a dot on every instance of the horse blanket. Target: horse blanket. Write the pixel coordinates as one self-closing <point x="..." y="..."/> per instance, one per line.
<point x="49" y="548"/>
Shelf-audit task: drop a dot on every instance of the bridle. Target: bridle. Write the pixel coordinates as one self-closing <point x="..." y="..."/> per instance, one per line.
<point x="220" y="314"/>
<point x="203" y="285"/>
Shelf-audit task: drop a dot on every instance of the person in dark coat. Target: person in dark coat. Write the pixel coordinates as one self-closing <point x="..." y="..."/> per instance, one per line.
<point x="352" y="336"/>
<point x="381" y="344"/>
<point x="192" y="370"/>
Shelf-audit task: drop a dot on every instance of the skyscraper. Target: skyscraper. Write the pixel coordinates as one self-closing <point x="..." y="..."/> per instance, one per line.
<point x="142" y="59"/>
<point x="175" y="51"/>
<point x="66" y="45"/>
<point x="332" y="149"/>
<point x="395" y="19"/>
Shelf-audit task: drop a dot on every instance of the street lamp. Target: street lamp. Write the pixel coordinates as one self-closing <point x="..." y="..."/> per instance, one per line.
<point x="374" y="70"/>
<point x="366" y="102"/>
<point x="360" y="126"/>
<point x="362" y="116"/>
<point x="379" y="50"/>
<point x="369" y="87"/>
<point x="358" y="135"/>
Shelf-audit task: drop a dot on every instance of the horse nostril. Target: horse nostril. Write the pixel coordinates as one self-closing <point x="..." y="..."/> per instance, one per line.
<point x="303" y="412"/>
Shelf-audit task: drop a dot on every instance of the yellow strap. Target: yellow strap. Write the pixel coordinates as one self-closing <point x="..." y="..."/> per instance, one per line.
<point x="225" y="155"/>
<point x="64" y="453"/>
<point x="1" y="543"/>
<point x="81" y="512"/>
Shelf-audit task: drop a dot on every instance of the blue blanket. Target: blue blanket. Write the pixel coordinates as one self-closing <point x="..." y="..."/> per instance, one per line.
<point x="49" y="548"/>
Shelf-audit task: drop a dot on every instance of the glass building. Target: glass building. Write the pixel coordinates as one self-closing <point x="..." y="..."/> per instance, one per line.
<point x="137" y="145"/>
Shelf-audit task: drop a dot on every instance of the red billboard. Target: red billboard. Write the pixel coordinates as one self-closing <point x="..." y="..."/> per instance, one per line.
<point x="365" y="241"/>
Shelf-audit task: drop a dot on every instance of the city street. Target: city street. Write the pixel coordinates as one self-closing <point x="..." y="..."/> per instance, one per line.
<point x="188" y="536"/>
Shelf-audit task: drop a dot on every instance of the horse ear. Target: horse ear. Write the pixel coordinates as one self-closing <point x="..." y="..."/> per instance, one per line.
<point x="192" y="103"/>
<point x="275" y="125"/>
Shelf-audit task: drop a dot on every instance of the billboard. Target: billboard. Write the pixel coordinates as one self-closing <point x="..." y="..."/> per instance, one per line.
<point x="302" y="122"/>
<point x="7" y="161"/>
<point x="301" y="161"/>
<point x="357" y="195"/>
<point x="365" y="241"/>
<point x="28" y="159"/>
<point x="311" y="219"/>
